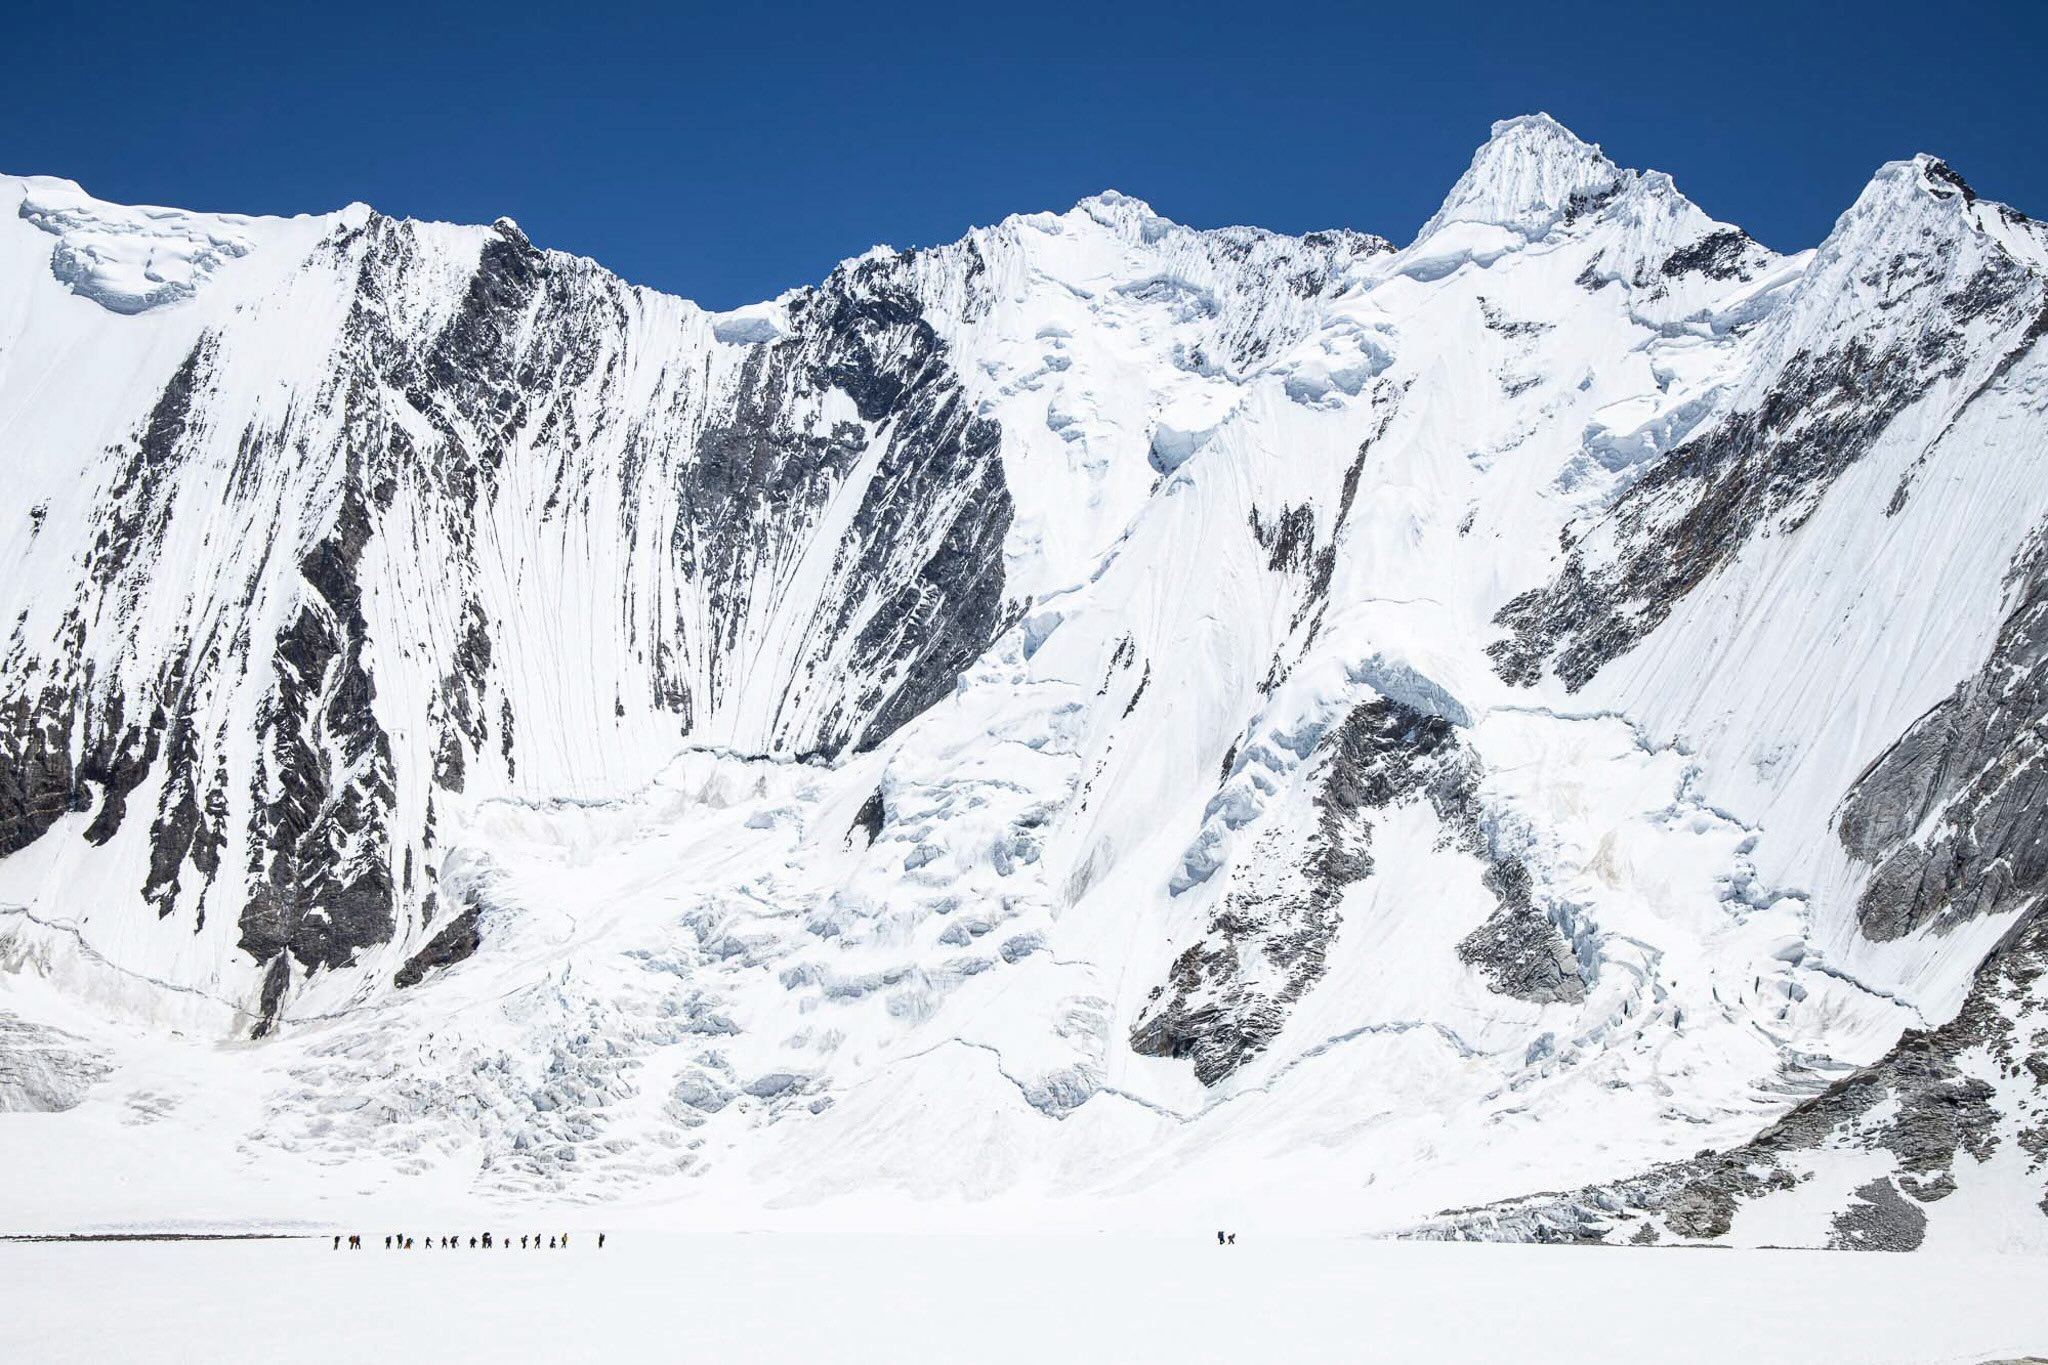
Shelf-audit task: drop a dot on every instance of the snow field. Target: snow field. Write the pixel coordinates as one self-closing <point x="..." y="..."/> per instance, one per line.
<point x="997" y="1298"/>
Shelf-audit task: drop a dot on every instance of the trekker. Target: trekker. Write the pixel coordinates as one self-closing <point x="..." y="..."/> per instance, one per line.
<point x="337" y="1241"/>
<point x="600" y="1241"/>
<point x="1233" y="1239"/>
<point x="387" y="1242"/>
<point x="551" y="1244"/>
<point x="1219" y="1237"/>
<point x="522" y="1241"/>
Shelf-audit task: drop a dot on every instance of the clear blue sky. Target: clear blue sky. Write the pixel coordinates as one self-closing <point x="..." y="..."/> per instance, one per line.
<point x="729" y="151"/>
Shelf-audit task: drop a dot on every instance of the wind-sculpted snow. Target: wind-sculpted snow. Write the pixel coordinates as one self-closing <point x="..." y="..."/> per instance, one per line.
<point x="128" y="260"/>
<point x="1101" y="715"/>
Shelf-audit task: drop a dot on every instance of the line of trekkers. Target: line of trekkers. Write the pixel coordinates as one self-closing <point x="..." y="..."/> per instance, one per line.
<point x="400" y="1242"/>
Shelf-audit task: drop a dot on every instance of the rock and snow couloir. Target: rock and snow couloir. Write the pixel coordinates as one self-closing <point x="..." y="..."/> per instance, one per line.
<point x="1100" y="711"/>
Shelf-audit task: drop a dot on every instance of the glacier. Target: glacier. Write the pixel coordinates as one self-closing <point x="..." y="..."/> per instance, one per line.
<point x="1531" y="734"/>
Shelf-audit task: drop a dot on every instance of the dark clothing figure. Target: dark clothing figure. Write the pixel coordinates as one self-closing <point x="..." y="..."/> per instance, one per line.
<point x="337" y="1241"/>
<point x="387" y="1244"/>
<point x="600" y="1241"/>
<point x="1233" y="1239"/>
<point x="487" y="1241"/>
<point x="522" y="1241"/>
<point x="551" y="1244"/>
<point x="1219" y="1239"/>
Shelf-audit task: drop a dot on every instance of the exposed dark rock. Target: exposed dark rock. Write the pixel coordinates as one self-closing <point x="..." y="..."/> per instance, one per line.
<point x="1881" y="1220"/>
<point x="455" y="941"/>
<point x="1215" y="1008"/>
<point x="1497" y="321"/>
<point x="321" y="866"/>
<point x="1728" y="254"/>
<point x="277" y="978"/>
<point x="118" y="767"/>
<point x="763" y="479"/>
<point x="459" y="708"/>
<point x="1931" y="1097"/>
<point x="1519" y="951"/>
<point x="1976" y="767"/>
<point x="53" y="708"/>
<point x="869" y="817"/>
<point x="36" y="779"/>
<point x="138" y="503"/>
<point x="1757" y="471"/>
<point x="191" y="821"/>
<point x="1290" y="542"/>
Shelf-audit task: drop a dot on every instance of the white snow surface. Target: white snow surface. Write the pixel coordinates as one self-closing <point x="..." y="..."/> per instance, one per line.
<point x="701" y="988"/>
<point x="876" y="1297"/>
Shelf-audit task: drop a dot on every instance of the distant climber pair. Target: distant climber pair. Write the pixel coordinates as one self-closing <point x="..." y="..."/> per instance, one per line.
<point x="1224" y="1239"/>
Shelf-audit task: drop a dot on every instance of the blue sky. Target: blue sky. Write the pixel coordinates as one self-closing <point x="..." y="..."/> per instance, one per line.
<point x="728" y="152"/>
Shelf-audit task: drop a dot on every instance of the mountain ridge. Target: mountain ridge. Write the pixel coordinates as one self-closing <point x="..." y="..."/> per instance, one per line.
<point x="1249" y="693"/>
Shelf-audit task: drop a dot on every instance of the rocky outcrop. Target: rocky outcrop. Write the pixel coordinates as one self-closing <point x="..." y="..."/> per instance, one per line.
<point x="1953" y="818"/>
<point x="1229" y="994"/>
<point x="1974" y="1086"/>
<point x="455" y="942"/>
<point x="1762" y="469"/>
<point x="442" y="390"/>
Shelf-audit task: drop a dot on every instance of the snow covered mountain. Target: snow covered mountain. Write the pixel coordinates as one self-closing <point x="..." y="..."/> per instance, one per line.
<point x="1099" y="715"/>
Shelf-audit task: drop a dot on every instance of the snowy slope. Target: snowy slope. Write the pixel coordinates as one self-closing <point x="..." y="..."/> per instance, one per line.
<point x="1097" y="711"/>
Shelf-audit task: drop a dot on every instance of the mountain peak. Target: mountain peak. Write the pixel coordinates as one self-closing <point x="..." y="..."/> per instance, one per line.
<point x="1904" y="191"/>
<point x="1525" y="176"/>
<point x="1124" y="214"/>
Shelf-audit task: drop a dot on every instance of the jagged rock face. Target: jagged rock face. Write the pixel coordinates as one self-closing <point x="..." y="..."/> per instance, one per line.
<point x="435" y="412"/>
<point x="1227" y="996"/>
<point x="455" y="941"/>
<point x="1964" y="1092"/>
<point x="1973" y="769"/>
<point x="1945" y="312"/>
<point x="1088" y="707"/>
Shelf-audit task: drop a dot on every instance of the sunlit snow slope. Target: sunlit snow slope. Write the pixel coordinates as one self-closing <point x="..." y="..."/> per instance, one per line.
<point x="1101" y="719"/>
